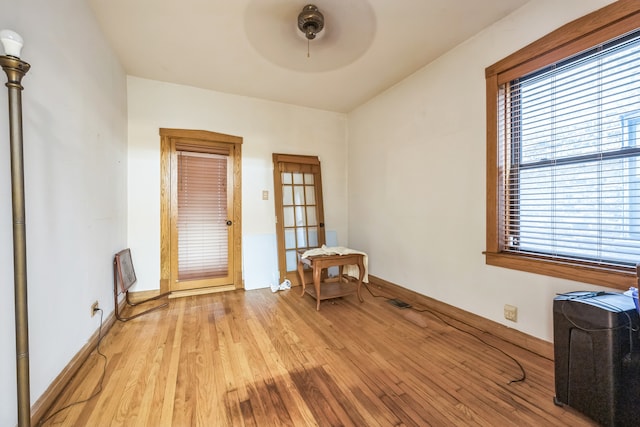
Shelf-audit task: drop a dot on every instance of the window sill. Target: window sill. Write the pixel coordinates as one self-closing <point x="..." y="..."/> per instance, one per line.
<point x="616" y="277"/>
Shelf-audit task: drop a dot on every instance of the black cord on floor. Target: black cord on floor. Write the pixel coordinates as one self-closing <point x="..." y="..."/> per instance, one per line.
<point x="104" y="371"/>
<point x="436" y="315"/>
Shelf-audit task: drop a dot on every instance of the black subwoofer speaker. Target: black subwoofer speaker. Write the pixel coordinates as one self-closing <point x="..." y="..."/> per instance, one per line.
<point x="597" y="356"/>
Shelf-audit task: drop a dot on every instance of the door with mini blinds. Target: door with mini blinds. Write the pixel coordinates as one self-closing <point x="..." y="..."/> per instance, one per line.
<point x="200" y="212"/>
<point x="299" y="210"/>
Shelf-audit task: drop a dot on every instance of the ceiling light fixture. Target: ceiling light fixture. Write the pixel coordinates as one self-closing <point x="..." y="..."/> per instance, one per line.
<point x="310" y="22"/>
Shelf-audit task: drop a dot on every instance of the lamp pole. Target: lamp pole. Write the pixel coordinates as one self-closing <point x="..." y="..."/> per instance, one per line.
<point x="15" y="69"/>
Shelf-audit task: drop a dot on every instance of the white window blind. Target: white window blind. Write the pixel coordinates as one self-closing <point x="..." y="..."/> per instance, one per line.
<point x="202" y="215"/>
<point x="571" y="157"/>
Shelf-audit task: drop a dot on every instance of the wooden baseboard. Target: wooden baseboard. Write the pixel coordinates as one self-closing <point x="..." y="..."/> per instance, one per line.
<point x="528" y="342"/>
<point x="48" y="398"/>
<point x="136" y="297"/>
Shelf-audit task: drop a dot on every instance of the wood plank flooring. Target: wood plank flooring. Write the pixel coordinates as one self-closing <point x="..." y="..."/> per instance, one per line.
<point x="256" y="358"/>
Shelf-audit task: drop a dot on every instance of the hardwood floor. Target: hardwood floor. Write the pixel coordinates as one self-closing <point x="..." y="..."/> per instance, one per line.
<point x="261" y="359"/>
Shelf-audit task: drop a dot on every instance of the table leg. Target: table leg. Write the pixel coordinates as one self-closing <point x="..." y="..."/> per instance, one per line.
<point x="316" y="283"/>
<point x="360" y="277"/>
<point x="301" y="276"/>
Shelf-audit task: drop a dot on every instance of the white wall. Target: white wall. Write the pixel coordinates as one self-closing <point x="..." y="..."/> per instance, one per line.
<point x="74" y="106"/>
<point x="417" y="178"/>
<point x="267" y="127"/>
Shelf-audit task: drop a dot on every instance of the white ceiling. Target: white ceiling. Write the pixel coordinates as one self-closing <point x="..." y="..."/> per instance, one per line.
<point x="254" y="48"/>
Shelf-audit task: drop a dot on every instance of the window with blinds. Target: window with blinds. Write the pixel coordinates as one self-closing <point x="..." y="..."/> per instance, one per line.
<point x="202" y="215"/>
<point x="570" y="155"/>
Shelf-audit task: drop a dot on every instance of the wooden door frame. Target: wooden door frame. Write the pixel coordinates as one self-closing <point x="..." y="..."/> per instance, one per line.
<point x="305" y="162"/>
<point x="167" y="137"/>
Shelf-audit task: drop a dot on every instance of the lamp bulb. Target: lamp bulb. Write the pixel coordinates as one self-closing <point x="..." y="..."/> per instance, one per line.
<point x="12" y="42"/>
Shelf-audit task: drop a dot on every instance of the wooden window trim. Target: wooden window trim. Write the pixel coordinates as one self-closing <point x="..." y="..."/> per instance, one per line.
<point x="597" y="27"/>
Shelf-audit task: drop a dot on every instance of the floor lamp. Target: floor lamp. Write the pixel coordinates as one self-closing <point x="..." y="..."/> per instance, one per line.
<point x="15" y="69"/>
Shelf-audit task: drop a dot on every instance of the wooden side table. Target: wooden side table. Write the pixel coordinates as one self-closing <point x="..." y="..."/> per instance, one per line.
<point x="330" y="289"/>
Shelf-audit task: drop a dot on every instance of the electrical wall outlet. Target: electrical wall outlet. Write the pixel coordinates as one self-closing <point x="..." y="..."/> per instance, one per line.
<point x="511" y="312"/>
<point x="94" y="307"/>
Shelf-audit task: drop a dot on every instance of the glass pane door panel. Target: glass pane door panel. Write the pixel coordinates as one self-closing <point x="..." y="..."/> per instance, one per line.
<point x="292" y="261"/>
<point x="311" y="215"/>
<point x="308" y="178"/>
<point x="286" y="178"/>
<point x="302" y="237"/>
<point x="203" y="236"/>
<point x="288" y="217"/>
<point x="313" y="237"/>
<point x="289" y="239"/>
<point x="287" y="195"/>
<point x="301" y="219"/>
<point x="298" y="193"/>
<point x="310" y="193"/>
<point x="298" y="178"/>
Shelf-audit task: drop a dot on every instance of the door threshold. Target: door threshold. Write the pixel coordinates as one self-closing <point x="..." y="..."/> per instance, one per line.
<point x="201" y="291"/>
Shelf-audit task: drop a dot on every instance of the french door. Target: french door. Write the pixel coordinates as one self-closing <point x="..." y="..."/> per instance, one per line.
<point x="200" y="211"/>
<point x="299" y="210"/>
